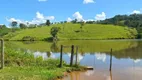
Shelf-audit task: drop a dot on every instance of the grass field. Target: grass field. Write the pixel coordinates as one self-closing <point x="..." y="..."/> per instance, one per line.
<point x="73" y="32"/>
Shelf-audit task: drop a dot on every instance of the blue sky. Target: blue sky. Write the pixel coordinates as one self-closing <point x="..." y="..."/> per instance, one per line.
<point x="37" y="11"/>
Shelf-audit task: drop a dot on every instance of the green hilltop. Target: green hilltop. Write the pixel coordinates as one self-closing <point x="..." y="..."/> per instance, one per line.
<point x="71" y="31"/>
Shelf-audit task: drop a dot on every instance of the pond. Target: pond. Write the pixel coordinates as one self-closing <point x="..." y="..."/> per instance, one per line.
<point x="126" y="57"/>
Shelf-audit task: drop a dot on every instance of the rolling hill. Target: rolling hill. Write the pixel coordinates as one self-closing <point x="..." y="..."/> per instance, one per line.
<point x="71" y="31"/>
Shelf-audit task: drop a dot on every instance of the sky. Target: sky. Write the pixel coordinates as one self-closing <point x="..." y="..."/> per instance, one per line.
<point x="38" y="11"/>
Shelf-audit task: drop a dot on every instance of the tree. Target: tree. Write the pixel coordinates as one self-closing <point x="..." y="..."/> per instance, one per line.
<point x="14" y="24"/>
<point x="48" y="22"/>
<point x="74" y="21"/>
<point x="54" y="31"/>
<point x="4" y="30"/>
<point x="3" y="26"/>
<point x="23" y="26"/>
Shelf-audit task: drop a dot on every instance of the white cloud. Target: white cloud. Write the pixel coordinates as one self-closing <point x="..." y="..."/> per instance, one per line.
<point x="50" y="17"/>
<point x="88" y="1"/>
<point x="137" y="60"/>
<point x="42" y="0"/>
<point x="78" y="16"/>
<point x="101" y="16"/>
<point x="69" y="19"/>
<point x="40" y="18"/>
<point x="39" y="15"/>
<point x="89" y="20"/>
<point x="17" y="20"/>
<point x="136" y="12"/>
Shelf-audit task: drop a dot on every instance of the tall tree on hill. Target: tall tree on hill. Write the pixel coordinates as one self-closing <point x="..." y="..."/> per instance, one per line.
<point x="14" y="25"/>
<point x="48" y="22"/>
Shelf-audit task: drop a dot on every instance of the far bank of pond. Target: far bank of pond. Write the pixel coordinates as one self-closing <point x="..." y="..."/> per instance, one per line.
<point x="126" y="60"/>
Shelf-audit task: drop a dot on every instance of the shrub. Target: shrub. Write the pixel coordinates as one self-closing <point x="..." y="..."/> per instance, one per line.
<point x="28" y="38"/>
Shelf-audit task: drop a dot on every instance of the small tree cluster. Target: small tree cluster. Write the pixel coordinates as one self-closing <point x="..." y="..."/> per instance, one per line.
<point x="23" y="26"/>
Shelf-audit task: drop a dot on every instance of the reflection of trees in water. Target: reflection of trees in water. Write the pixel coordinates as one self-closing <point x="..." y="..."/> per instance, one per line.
<point x="54" y="47"/>
<point x="132" y="52"/>
<point x="48" y="53"/>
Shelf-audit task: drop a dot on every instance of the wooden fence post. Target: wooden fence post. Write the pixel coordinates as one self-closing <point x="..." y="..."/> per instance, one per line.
<point x="110" y="60"/>
<point x="76" y="55"/>
<point x="2" y="53"/>
<point x="72" y="54"/>
<point x="61" y="56"/>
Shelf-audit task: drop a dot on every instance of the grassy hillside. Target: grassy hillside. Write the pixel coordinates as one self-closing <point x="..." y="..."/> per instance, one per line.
<point x="72" y="31"/>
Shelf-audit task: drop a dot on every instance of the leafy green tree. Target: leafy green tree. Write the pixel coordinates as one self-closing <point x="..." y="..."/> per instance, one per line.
<point x="23" y="26"/>
<point x="74" y="21"/>
<point x="48" y="22"/>
<point x="54" y="31"/>
<point x="14" y="24"/>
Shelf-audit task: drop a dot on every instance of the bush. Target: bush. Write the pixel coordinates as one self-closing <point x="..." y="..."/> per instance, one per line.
<point x="28" y="38"/>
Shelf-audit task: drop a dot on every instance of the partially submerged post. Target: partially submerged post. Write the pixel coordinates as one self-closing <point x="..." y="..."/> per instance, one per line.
<point x="61" y="56"/>
<point x="72" y="54"/>
<point x="76" y="55"/>
<point x="110" y="60"/>
<point x="110" y="75"/>
<point x="2" y="53"/>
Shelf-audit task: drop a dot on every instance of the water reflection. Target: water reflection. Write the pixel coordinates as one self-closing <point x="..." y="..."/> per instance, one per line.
<point x="123" y="69"/>
<point x="137" y="61"/>
<point x="44" y="55"/>
<point x="79" y="57"/>
<point x="101" y="57"/>
<point x="54" y="47"/>
<point x="89" y="72"/>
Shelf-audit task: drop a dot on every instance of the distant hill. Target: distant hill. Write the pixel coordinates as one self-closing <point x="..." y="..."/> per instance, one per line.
<point x="133" y="21"/>
<point x="72" y="32"/>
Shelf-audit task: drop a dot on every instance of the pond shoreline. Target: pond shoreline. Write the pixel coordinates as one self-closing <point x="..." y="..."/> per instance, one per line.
<point x="71" y="39"/>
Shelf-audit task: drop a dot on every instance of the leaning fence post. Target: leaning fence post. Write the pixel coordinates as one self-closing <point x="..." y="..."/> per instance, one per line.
<point x="76" y="55"/>
<point x="2" y="53"/>
<point x="110" y="60"/>
<point x="61" y="56"/>
<point x="72" y="54"/>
